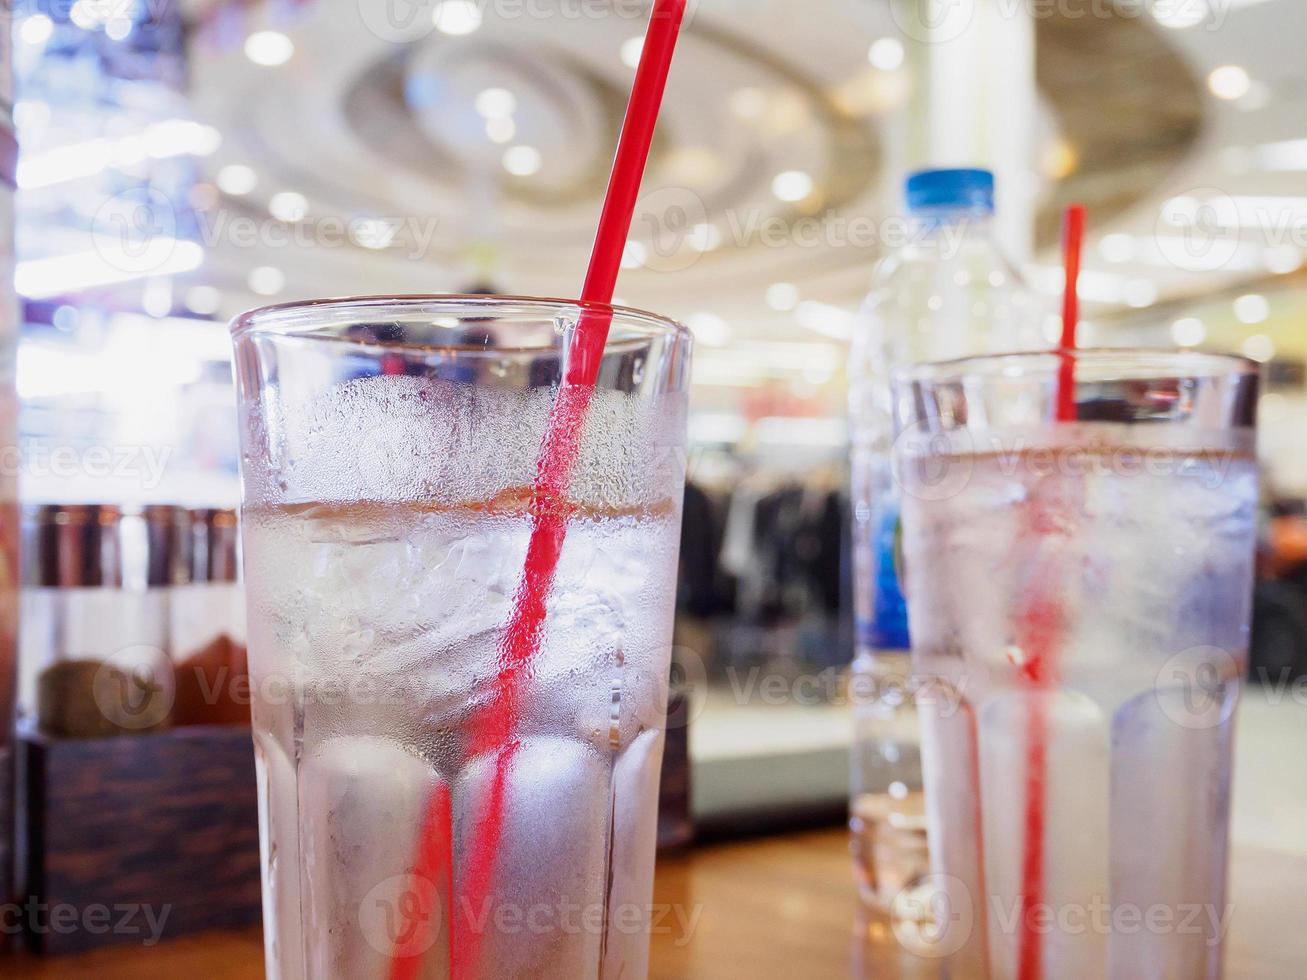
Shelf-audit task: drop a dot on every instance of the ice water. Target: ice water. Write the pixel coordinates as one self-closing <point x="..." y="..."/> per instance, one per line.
<point x="375" y="632"/>
<point x="889" y="843"/>
<point x="1116" y="568"/>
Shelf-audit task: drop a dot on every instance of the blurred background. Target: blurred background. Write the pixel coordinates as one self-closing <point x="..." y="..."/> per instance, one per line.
<point x="182" y="161"/>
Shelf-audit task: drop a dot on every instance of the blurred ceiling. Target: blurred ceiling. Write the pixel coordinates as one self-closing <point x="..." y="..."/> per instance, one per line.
<point x="472" y="142"/>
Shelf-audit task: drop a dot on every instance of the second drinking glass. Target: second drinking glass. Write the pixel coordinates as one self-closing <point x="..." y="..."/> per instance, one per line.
<point x="1079" y="596"/>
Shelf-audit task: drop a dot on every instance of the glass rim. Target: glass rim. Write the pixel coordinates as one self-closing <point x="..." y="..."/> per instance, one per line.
<point x="297" y="317"/>
<point x="1130" y="363"/>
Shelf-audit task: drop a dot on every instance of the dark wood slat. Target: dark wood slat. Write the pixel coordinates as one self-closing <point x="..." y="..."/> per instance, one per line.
<point x="165" y="820"/>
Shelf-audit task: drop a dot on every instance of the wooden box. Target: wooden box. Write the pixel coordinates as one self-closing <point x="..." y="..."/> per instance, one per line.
<point x="165" y="824"/>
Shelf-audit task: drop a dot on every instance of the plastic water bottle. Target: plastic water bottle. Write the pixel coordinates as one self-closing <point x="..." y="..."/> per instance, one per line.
<point x="947" y="292"/>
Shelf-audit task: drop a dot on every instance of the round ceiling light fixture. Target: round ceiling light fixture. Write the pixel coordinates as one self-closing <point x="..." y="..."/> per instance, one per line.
<point x="523" y="161"/>
<point x="1229" y="82"/>
<point x="269" y="48"/>
<point x="887" y="54"/>
<point x="792" y="186"/>
<point x="1188" y="331"/>
<point x="456" y="17"/>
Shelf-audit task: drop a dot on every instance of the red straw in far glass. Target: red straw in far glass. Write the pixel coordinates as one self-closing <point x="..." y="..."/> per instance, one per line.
<point x="495" y="727"/>
<point x="1073" y="242"/>
<point x="1042" y="628"/>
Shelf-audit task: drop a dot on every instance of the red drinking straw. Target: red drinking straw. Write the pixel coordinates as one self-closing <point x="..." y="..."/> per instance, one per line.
<point x="1073" y="241"/>
<point x="494" y="729"/>
<point x="1042" y="627"/>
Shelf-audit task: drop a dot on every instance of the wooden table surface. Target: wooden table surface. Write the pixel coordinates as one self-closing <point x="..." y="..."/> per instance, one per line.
<point x="780" y="908"/>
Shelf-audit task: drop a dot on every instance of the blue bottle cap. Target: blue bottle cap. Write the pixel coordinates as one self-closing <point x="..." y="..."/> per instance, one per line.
<point x="951" y="190"/>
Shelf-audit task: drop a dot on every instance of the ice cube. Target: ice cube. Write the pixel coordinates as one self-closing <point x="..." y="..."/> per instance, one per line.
<point x="949" y="755"/>
<point x="1170" y="823"/>
<point x="635" y="840"/>
<point x="279" y="846"/>
<point x="544" y="912"/>
<point x="362" y="802"/>
<point x="1075" y="840"/>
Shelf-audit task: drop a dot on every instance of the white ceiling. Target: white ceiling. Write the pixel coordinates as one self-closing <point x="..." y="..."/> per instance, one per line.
<point x="373" y="121"/>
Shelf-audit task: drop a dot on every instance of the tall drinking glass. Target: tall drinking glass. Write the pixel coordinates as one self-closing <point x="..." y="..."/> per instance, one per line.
<point x="1079" y="596"/>
<point x="389" y="448"/>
